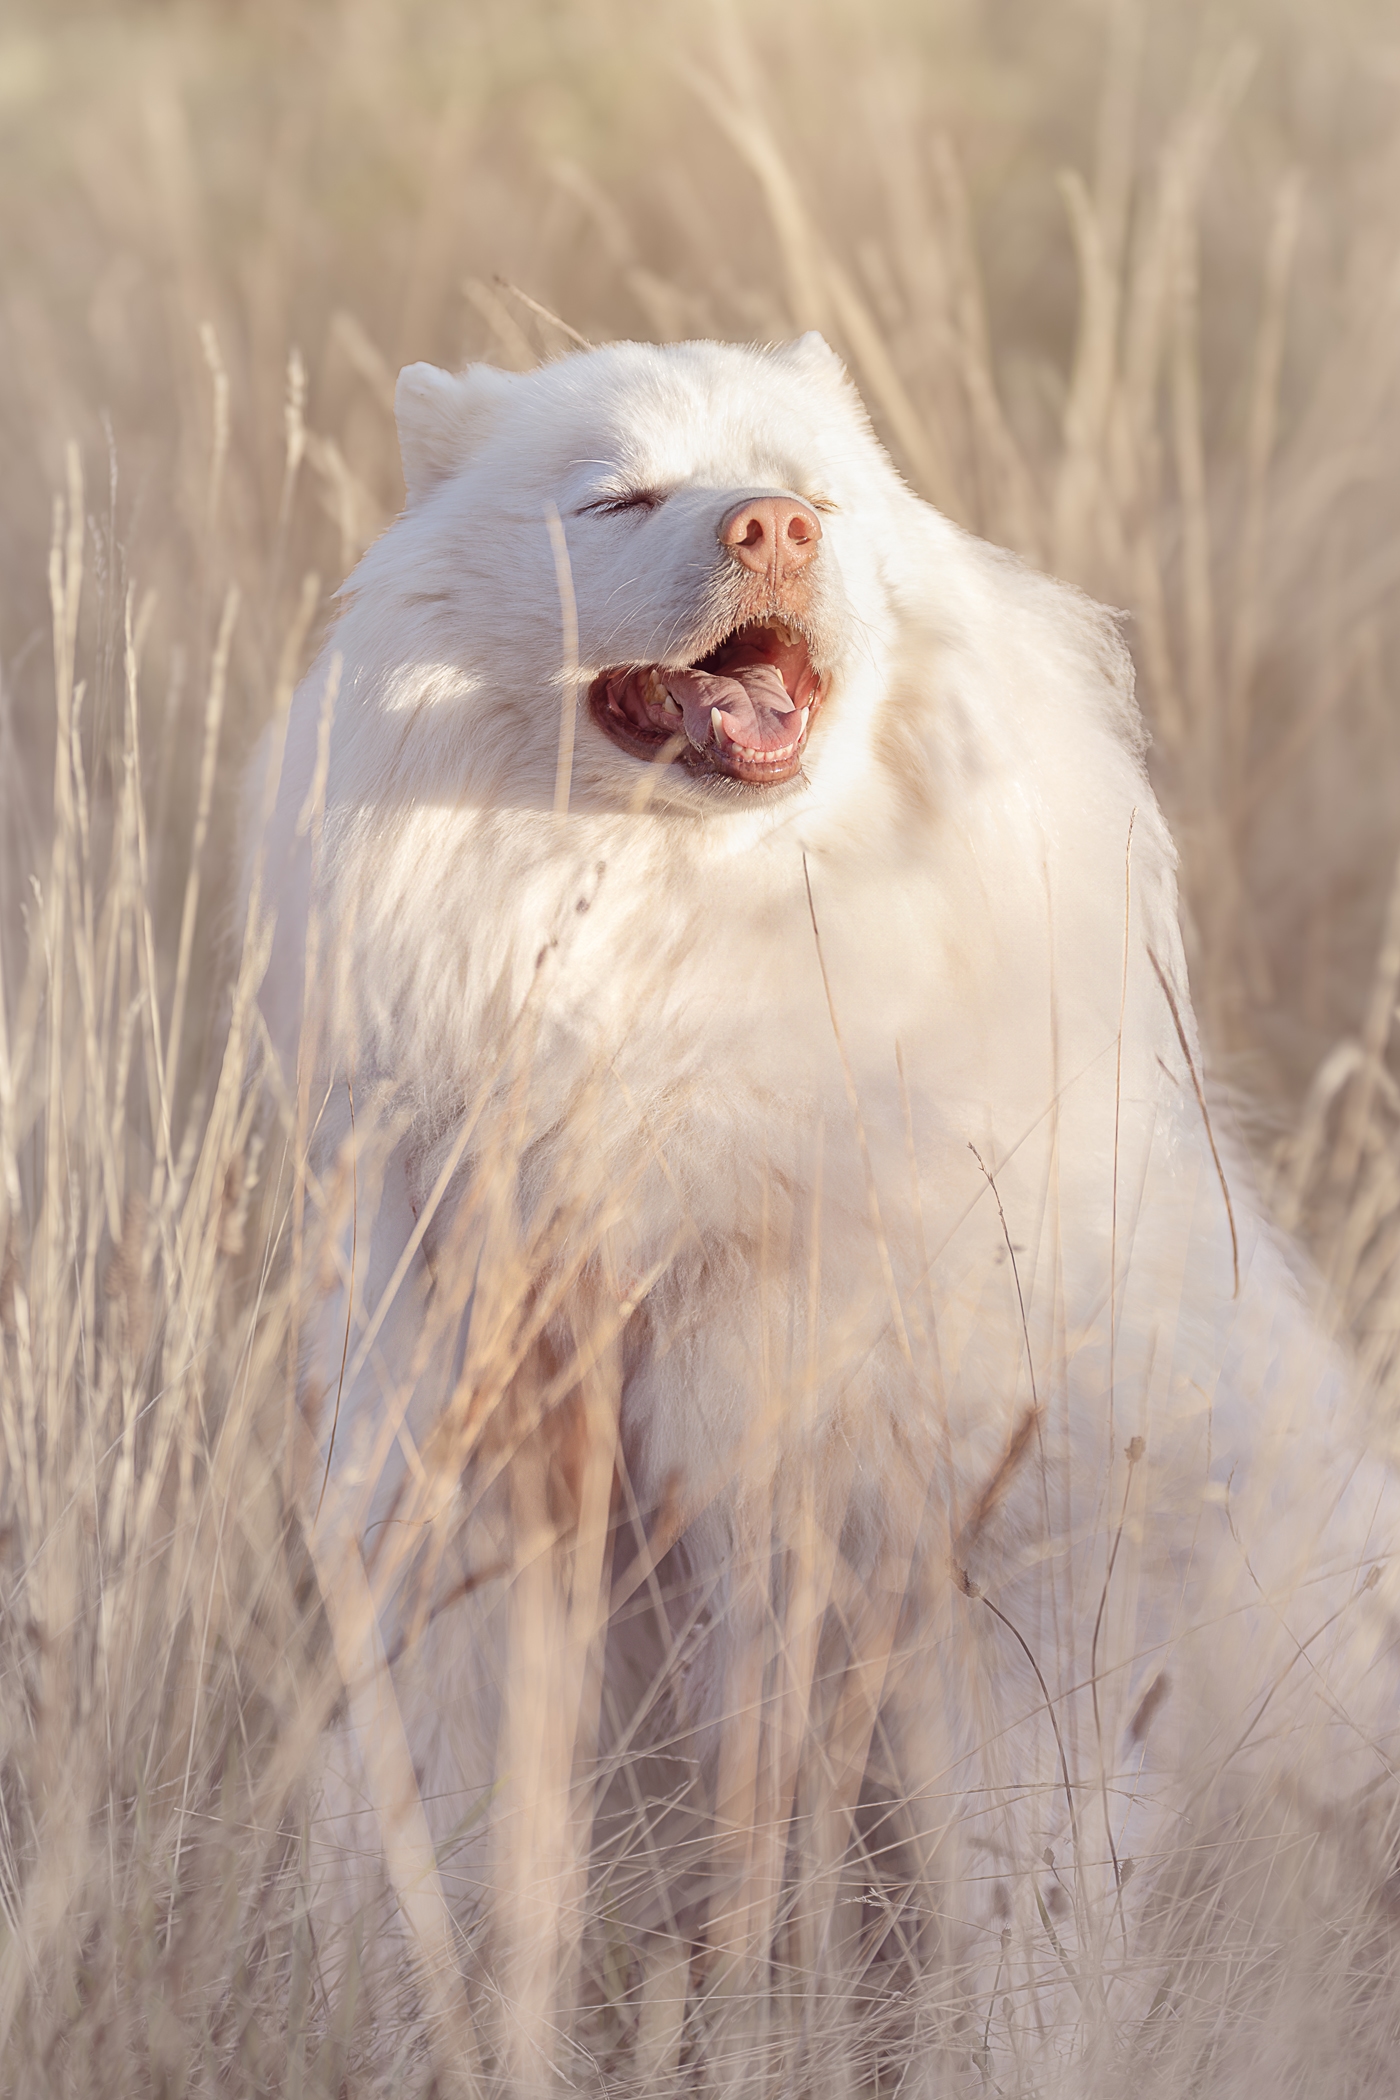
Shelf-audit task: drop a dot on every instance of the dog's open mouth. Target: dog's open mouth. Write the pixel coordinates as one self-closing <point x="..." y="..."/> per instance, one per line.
<point x="744" y="711"/>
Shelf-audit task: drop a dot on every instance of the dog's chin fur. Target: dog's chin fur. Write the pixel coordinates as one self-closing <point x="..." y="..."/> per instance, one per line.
<point x="846" y="1136"/>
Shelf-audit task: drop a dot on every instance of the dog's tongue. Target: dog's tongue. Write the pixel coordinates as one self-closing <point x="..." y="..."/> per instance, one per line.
<point x="754" y="709"/>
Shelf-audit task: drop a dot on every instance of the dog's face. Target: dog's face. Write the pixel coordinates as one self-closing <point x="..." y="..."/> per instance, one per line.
<point x="722" y="520"/>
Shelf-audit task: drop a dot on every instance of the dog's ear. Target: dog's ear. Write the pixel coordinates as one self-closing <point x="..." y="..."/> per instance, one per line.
<point x="812" y="353"/>
<point x="443" y="417"/>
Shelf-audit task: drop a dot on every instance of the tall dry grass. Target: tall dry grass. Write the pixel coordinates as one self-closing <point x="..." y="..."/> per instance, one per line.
<point x="1120" y="284"/>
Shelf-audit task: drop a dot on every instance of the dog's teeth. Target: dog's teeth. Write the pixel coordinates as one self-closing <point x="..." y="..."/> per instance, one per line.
<point x="802" y="721"/>
<point x="716" y="725"/>
<point x="670" y="706"/>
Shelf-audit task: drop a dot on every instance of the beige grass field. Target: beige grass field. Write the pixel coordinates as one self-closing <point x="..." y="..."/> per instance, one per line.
<point x="1120" y="283"/>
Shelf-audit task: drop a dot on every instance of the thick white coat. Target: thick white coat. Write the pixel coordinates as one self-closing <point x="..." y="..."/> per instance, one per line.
<point x="865" y="1099"/>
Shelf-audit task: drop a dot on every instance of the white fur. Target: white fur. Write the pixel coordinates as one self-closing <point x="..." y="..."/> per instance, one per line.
<point x="829" y="1315"/>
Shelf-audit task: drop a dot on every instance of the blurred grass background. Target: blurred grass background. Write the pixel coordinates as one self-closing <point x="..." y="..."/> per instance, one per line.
<point x="1120" y="282"/>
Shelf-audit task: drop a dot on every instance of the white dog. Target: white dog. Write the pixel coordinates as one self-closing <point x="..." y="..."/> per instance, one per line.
<point x="852" y="1493"/>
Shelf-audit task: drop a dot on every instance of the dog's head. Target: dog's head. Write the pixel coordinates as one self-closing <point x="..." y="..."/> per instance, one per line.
<point x="688" y="549"/>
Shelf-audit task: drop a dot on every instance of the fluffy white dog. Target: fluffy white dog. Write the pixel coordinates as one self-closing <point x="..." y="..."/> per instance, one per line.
<point x="853" y="1499"/>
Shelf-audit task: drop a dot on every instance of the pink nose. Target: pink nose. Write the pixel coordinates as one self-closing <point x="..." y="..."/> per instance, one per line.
<point x="773" y="535"/>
